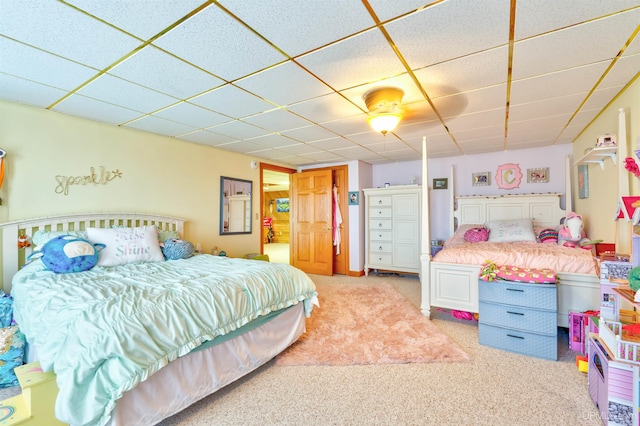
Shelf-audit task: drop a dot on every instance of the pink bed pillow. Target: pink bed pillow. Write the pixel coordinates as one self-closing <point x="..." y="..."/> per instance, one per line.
<point x="475" y="235"/>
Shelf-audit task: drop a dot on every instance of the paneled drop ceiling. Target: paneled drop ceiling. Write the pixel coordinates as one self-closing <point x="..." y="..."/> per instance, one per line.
<point x="283" y="80"/>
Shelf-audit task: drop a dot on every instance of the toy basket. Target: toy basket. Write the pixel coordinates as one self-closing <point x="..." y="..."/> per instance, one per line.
<point x="610" y="333"/>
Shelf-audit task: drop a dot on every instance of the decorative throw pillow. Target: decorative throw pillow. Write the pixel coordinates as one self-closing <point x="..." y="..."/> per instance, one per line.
<point x="67" y="253"/>
<point x="475" y="235"/>
<point x="548" y="235"/>
<point x="507" y="231"/>
<point x="126" y="245"/>
<point x="12" y="349"/>
<point x="177" y="249"/>
<point x="40" y="238"/>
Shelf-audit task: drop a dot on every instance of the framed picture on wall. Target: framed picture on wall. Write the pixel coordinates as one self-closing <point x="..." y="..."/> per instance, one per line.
<point x="353" y="198"/>
<point x="441" y="183"/>
<point x="282" y="205"/>
<point x="583" y="181"/>
<point x="481" y="179"/>
<point x="539" y="175"/>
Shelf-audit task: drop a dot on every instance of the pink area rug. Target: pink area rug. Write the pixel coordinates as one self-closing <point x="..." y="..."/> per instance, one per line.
<point x="364" y="324"/>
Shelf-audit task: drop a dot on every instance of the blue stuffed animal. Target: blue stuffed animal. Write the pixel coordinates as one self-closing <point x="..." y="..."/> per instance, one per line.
<point x="68" y="253"/>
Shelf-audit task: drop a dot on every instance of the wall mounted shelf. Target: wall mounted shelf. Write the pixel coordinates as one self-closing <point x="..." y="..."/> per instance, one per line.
<point x="598" y="155"/>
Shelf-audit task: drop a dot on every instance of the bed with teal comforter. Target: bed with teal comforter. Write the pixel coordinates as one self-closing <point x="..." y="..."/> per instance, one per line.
<point x="105" y="330"/>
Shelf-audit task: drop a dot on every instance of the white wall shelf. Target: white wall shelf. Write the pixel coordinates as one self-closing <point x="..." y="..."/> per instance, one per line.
<point x="598" y="155"/>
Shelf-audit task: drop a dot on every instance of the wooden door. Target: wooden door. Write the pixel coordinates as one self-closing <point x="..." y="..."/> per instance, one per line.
<point x="311" y="221"/>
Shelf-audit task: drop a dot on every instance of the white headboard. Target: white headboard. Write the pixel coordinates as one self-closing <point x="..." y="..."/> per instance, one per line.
<point x="544" y="209"/>
<point x="12" y="257"/>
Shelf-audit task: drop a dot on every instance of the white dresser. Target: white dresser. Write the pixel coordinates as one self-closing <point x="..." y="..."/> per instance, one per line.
<point x="392" y="237"/>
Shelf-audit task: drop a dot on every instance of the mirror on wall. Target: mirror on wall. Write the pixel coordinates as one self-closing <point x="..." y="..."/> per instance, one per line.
<point x="235" y="206"/>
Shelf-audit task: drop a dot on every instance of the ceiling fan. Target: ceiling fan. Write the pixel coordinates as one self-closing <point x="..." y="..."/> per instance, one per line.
<point x="386" y="109"/>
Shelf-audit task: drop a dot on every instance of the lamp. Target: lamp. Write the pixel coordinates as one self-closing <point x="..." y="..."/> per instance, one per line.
<point x="384" y="105"/>
<point x="384" y="122"/>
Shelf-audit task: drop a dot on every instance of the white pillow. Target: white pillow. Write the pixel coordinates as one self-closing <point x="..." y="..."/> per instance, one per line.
<point x="126" y="245"/>
<point x="508" y="231"/>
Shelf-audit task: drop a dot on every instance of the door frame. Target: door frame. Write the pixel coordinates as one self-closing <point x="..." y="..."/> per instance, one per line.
<point x="272" y="167"/>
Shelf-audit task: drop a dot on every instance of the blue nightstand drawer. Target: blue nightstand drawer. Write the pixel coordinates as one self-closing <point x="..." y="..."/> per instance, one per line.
<point x="532" y="344"/>
<point x="516" y="317"/>
<point x="540" y="296"/>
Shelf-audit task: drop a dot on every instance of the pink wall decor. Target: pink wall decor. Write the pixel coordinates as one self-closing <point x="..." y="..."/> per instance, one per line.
<point x="508" y="176"/>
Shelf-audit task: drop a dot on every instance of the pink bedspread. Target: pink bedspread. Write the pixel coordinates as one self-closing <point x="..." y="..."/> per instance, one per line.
<point x="524" y="254"/>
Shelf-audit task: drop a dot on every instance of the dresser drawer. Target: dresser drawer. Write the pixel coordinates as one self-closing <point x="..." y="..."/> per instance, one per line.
<point x="380" y="224"/>
<point x="538" y="345"/>
<point x="380" y="235"/>
<point x="380" y="200"/>
<point x="381" y="259"/>
<point x="375" y="212"/>
<point x="541" y="296"/>
<point x="381" y="247"/>
<point x="516" y="317"/>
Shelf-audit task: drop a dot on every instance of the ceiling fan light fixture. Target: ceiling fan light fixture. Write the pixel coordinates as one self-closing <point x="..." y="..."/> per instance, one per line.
<point x="384" y="122"/>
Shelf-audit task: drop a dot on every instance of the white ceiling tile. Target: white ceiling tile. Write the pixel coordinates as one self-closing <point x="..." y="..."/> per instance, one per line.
<point x="172" y="76"/>
<point x="212" y="52"/>
<point x="278" y="120"/>
<point x="541" y="109"/>
<point x="355" y="124"/>
<point x="309" y="134"/>
<point x="274" y="84"/>
<point x="571" y="47"/>
<point x="241" y="147"/>
<point x="450" y="30"/>
<point x="120" y="92"/>
<point x="489" y="132"/>
<point x="238" y="130"/>
<point x="68" y="33"/>
<point x="488" y="99"/>
<point x="41" y="67"/>
<point x="321" y="24"/>
<point x="385" y="9"/>
<point x="143" y="19"/>
<point x="364" y="58"/>
<point x="161" y="126"/>
<point x="330" y="144"/>
<point x="323" y="156"/>
<point x="623" y="71"/>
<point x="233" y="101"/>
<point x="325" y="108"/>
<point x="298" y="149"/>
<point x="477" y="120"/>
<point x="192" y="115"/>
<point x="483" y="69"/>
<point x="533" y="18"/>
<point x="28" y="92"/>
<point x="561" y="83"/>
<point x="206" y="137"/>
<point x="272" y="141"/>
<point x="93" y="109"/>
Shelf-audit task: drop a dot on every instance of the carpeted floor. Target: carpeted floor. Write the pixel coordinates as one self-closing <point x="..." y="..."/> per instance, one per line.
<point x="360" y="324"/>
<point x="494" y="388"/>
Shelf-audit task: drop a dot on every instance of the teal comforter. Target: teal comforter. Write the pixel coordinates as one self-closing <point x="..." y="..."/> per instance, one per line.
<point x="105" y="330"/>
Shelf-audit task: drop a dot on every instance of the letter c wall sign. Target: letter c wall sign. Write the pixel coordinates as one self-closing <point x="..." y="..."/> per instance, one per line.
<point x="508" y="176"/>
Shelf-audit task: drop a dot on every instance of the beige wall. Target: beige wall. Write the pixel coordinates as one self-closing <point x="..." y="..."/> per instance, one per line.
<point x="599" y="209"/>
<point x="159" y="174"/>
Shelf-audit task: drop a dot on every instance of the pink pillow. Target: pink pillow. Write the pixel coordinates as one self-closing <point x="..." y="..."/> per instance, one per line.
<point x="475" y="235"/>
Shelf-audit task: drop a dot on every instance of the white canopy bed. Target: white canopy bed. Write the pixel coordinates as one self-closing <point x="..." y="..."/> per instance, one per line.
<point x="454" y="285"/>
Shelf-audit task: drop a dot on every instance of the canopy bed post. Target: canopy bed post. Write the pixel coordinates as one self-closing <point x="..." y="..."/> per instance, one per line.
<point x="452" y="201"/>
<point x="568" y="193"/>
<point x="425" y="252"/>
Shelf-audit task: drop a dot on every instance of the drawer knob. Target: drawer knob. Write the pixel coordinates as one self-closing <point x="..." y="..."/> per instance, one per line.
<point x="380" y="235"/>
<point x="515" y="313"/>
<point x="380" y="225"/>
<point x="380" y="248"/>
<point x="516" y="289"/>
<point x="379" y="201"/>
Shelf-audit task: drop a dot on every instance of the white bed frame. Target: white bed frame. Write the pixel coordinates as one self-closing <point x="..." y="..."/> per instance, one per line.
<point x="189" y="378"/>
<point x="455" y="286"/>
